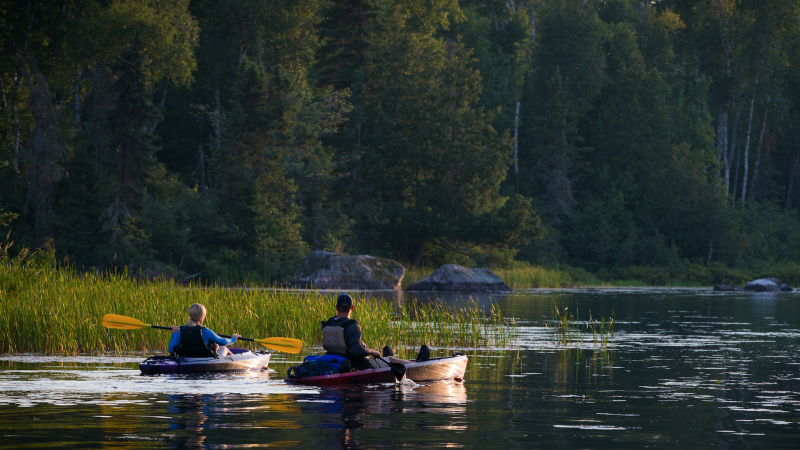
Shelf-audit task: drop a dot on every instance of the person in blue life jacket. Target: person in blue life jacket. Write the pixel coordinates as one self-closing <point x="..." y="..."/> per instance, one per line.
<point x="195" y="340"/>
<point x="341" y="336"/>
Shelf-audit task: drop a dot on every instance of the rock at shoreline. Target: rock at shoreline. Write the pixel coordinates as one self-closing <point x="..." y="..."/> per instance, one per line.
<point x="326" y="270"/>
<point x="785" y="288"/>
<point x="452" y="277"/>
<point x="727" y="288"/>
<point x="762" y="285"/>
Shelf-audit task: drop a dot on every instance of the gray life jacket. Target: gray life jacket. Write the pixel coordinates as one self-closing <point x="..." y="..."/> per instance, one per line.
<point x="333" y="340"/>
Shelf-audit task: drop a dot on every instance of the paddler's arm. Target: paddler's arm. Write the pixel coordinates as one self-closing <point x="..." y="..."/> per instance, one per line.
<point x="174" y="340"/>
<point x="212" y="337"/>
<point x="354" y="345"/>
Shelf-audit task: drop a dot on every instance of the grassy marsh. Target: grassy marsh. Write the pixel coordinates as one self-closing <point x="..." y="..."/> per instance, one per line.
<point x="55" y="310"/>
<point x="524" y="276"/>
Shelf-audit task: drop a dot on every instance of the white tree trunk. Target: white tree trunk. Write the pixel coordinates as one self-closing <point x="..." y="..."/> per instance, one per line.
<point x="201" y="167"/>
<point x="516" y="143"/>
<point x="722" y="139"/>
<point x="217" y="134"/>
<point x="731" y="155"/>
<point x="747" y="148"/>
<point x="533" y="41"/>
<point x="78" y="101"/>
<point x="792" y="172"/>
<point x="758" y="149"/>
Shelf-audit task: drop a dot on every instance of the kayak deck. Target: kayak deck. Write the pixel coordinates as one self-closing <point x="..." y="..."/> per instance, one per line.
<point x="242" y="360"/>
<point x="435" y="369"/>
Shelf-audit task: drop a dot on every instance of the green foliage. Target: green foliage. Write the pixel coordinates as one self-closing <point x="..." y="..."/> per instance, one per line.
<point x="230" y="137"/>
<point x="49" y="309"/>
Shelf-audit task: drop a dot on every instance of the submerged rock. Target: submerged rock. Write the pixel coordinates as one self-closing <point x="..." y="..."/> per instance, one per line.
<point x="762" y="285"/>
<point x="452" y="277"/>
<point x="785" y="288"/>
<point x="326" y="270"/>
<point x="727" y="288"/>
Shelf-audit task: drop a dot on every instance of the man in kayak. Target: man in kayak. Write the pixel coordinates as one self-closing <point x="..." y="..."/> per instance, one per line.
<point x="341" y="336"/>
<point x="195" y="339"/>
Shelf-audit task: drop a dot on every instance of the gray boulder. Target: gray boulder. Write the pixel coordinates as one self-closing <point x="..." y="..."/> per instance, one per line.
<point x="727" y="288"/>
<point x="452" y="277"/>
<point x="774" y="280"/>
<point x="326" y="270"/>
<point x="761" y="285"/>
<point x="785" y="288"/>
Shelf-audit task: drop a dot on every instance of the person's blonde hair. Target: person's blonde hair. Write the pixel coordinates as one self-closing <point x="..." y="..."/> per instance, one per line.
<point x="196" y="312"/>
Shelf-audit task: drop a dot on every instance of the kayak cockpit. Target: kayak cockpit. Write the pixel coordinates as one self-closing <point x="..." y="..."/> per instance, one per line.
<point x="241" y="360"/>
<point x="435" y="369"/>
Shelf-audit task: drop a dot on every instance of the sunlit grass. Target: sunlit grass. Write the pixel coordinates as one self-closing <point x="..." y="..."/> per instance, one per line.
<point x="522" y="277"/>
<point x="48" y="309"/>
<point x="525" y="276"/>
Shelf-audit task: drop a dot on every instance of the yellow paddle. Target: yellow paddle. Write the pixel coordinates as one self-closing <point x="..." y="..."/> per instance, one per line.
<point x="281" y="344"/>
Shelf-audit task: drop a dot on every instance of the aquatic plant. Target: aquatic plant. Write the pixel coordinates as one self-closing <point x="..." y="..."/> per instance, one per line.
<point x="569" y="330"/>
<point x="45" y="308"/>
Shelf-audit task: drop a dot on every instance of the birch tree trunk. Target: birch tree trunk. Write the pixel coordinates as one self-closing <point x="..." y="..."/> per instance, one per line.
<point x="201" y="167"/>
<point x="758" y="149"/>
<point x="722" y="138"/>
<point x="152" y="129"/>
<point x="16" y="124"/>
<point x="217" y="134"/>
<point x="533" y="41"/>
<point x="516" y="143"/>
<point x="696" y="67"/>
<point x="747" y="148"/>
<point x="731" y="153"/>
<point x="792" y="172"/>
<point x="78" y="101"/>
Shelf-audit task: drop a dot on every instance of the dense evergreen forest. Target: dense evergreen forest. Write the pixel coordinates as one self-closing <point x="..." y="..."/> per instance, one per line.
<point x="231" y="137"/>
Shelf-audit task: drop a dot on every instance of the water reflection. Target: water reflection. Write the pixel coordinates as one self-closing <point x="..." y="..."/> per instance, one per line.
<point x="687" y="369"/>
<point x="374" y="408"/>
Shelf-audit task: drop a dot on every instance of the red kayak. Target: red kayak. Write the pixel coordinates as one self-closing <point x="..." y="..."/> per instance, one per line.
<point x="435" y="369"/>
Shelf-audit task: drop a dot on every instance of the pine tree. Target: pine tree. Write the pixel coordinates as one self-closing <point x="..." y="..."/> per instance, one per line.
<point x="560" y="152"/>
<point x="132" y="163"/>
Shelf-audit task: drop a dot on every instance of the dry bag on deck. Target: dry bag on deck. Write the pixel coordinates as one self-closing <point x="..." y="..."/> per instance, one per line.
<point x="316" y="365"/>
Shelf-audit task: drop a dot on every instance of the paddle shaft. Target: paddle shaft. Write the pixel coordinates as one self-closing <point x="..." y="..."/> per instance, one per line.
<point x="280" y="344"/>
<point x="220" y="335"/>
<point x="398" y="370"/>
<point x="240" y="338"/>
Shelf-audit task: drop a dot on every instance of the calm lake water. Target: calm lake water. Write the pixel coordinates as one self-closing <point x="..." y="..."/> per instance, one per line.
<point x="683" y="369"/>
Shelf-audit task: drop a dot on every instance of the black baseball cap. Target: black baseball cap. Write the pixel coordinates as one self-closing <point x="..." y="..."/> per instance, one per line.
<point x="344" y="300"/>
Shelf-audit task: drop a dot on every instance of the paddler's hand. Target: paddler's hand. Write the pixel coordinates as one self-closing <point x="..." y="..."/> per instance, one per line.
<point x="235" y="336"/>
<point x="175" y="329"/>
<point x="375" y="354"/>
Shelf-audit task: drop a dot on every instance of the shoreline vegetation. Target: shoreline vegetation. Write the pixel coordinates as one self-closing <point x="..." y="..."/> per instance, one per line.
<point x="524" y="276"/>
<point x="47" y="309"/>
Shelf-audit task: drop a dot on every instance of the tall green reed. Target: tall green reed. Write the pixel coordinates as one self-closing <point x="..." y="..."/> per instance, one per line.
<point x="49" y="309"/>
<point x="569" y="330"/>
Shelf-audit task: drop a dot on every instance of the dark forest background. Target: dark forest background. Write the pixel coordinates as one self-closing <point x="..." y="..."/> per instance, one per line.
<point x="231" y="137"/>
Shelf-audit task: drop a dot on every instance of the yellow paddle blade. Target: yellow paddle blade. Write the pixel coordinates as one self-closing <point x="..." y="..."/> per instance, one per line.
<point x="282" y="344"/>
<point x="123" y="322"/>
